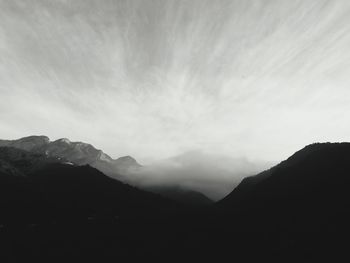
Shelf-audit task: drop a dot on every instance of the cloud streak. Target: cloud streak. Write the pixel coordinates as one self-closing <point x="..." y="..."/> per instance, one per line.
<point x="154" y="79"/>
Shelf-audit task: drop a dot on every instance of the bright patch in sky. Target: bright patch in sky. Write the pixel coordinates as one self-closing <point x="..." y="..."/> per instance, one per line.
<point x="154" y="79"/>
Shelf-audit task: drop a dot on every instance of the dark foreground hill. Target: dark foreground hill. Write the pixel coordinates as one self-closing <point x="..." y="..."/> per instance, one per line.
<point x="181" y="195"/>
<point x="308" y="191"/>
<point x="298" y="211"/>
<point x="54" y="211"/>
<point x="44" y="188"/>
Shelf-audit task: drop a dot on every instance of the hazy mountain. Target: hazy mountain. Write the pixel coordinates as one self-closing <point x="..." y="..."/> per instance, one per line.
<point x="125" y="169"/>
<point x="78" y="153"/>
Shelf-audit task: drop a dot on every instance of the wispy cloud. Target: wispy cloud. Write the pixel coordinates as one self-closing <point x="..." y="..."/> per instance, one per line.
<point x="154" y="79"/>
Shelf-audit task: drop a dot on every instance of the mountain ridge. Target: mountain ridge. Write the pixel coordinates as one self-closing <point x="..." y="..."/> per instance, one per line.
<point x="80" y="153"/>
<point x="313" y="181"/>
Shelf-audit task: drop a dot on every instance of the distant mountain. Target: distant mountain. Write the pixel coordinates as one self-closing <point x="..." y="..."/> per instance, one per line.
<point x="78" y="153"/>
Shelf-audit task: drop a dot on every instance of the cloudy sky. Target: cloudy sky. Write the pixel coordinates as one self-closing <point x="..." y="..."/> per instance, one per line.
<point x="155" y="79"/>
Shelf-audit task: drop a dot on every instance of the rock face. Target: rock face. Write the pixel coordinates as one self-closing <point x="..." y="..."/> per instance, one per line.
<point x="17" y="162"/>
<point x="29" y="143"/>
<point x="78" y="153"/>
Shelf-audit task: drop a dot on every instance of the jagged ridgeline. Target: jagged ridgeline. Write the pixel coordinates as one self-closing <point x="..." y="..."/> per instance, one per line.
<point x="122" y="169"/>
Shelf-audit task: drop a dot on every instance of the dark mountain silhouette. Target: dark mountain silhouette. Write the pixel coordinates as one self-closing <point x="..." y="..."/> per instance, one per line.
<point x="48" y="204"/>
<point x="48" y="183"/>
<point x="312" y="181"/>
<point x="80" y="153"/>
<point x="297" y="210"/>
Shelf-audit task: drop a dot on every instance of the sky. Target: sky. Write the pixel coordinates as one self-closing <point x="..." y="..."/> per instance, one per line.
<point x="155" y="79"/>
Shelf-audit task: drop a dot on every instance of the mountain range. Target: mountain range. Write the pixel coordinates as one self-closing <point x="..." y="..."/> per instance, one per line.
<point x="78" y="153"/>
<point x="122" y="169"/>
<point x="54" y="209"/>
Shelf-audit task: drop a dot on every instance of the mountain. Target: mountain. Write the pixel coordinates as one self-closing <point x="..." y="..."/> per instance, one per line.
<point x="78" y="153"/>
<point x="313" y="181"/>
<point x="124" y="168"/>
<point x="29" y="143"/>
<point x="39" y="187"/>
<point x="51" y="210"/>
<point x="296" y="211"/>
<point x="18" y="162"/>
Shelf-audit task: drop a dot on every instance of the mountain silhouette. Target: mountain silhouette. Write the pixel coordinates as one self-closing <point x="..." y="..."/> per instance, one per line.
<point x="295" y="211"/>
<point x="50" y="188"/>
<point x="47" y="203"/>
<point x="80" y="153"/>
<point x="310" y="184"/>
